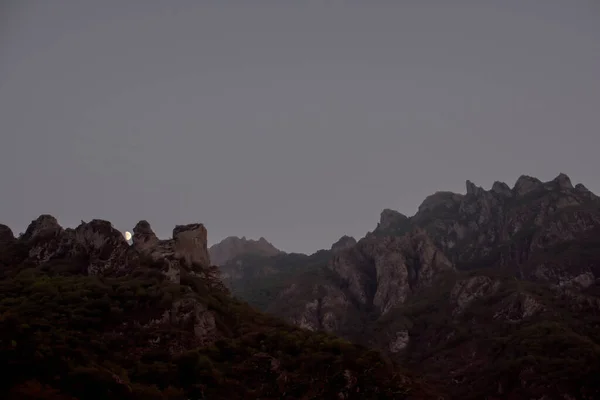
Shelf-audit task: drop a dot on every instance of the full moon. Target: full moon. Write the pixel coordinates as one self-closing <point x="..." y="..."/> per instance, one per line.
<point x="127" y="235"/>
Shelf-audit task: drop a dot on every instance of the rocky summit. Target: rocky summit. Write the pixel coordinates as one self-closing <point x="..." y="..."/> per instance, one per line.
<point x="85" y="315"/>
<point x="233" y="246"/>
<point x="488" y="294"/>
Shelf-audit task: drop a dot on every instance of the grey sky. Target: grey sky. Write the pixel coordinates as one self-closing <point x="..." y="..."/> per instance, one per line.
<point x="297" y="121"/>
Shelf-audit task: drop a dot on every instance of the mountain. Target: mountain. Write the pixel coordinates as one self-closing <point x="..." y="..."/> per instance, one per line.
<point x="345" y="242"/>
<point x="259" y="278"/>
<point x="489" y="294"/>
<point x="233" y="246"/>
<point x="84" y="315"/>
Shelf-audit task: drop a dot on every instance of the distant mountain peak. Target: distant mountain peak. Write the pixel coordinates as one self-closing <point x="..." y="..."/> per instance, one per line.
<point x="526" y="184"/>
<point x="563" y="181"/>
<point x="445" y="199"/>
<point x="343" y="243"/>
<point x="389" y="217"/>
<point x="233" y="246"/>
<point x="501" y="188"/>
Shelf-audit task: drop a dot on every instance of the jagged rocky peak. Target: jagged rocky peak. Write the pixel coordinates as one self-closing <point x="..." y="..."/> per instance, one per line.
<point x="501" y="188"/>
<point x="105" y="245"/>
<point x="580" y="188"/>
<point x="385" y="270"/>
<point x="44" y="226"/>
<point x="442" y="199"/>
<point x="143" y="228"/>
<point x="562" y="181"/>
<point x="99" y="228"/>
<point x="233" y="246"/>
<point x="473" y="190"/>
<point x="526" y="184"/>
<point x="345" y="242"/>
<point x="186" y="250"/>
<point x="6" y="234"/>
<point x="102" y="244"/>
<point x="143" y="236"/>
<point x="389" y="217"/>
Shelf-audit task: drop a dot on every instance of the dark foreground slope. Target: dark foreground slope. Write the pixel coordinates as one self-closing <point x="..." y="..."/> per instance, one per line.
<point x="488" y="295"/>
<point x="85" y="316"/>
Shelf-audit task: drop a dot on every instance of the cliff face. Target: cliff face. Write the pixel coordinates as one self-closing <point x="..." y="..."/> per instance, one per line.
<point x="380" y="273"/>
<point x="363" y="282"/>
<point x="232" y="247"/>
<point x="86" y="316"/>
<point x="187" y="250"/>
<point x="465" y="282"/>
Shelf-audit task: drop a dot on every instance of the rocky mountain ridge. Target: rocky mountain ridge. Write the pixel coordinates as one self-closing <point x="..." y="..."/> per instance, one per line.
<point x="87" y="316"/>
<point x="467" y="274"/>
<point x="343" y="243"/>
<point x="489" y="294"/>
<point x="499" y="227"/>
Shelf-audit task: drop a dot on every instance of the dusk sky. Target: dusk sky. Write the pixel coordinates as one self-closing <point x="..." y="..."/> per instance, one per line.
<point x="297" y="121"/>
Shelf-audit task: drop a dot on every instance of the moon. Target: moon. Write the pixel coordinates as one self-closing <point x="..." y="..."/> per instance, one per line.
<point x="127" y="235"/>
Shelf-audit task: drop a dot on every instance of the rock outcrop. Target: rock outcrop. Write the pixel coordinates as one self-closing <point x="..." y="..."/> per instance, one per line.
<point x="562" y="181"/>
<point x="502" y="189"/>
<point x="445" y="200"/>
<point x="470" y="229"/>
<point x="6" y="235"/>
<point x="98" y="242"/>
<point x="186" y="252"/>
<point x="45" y="226"/>
<point x="104" y="248"/>
<point x="526" y="184"/>
<point x="143" y="236"/>
<point x="466" y="291"/>
<point x="232" y="247"/>
<point x="345" y="242"/>
<point x="391" y="222"/>
<point x="190" y="244"/>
